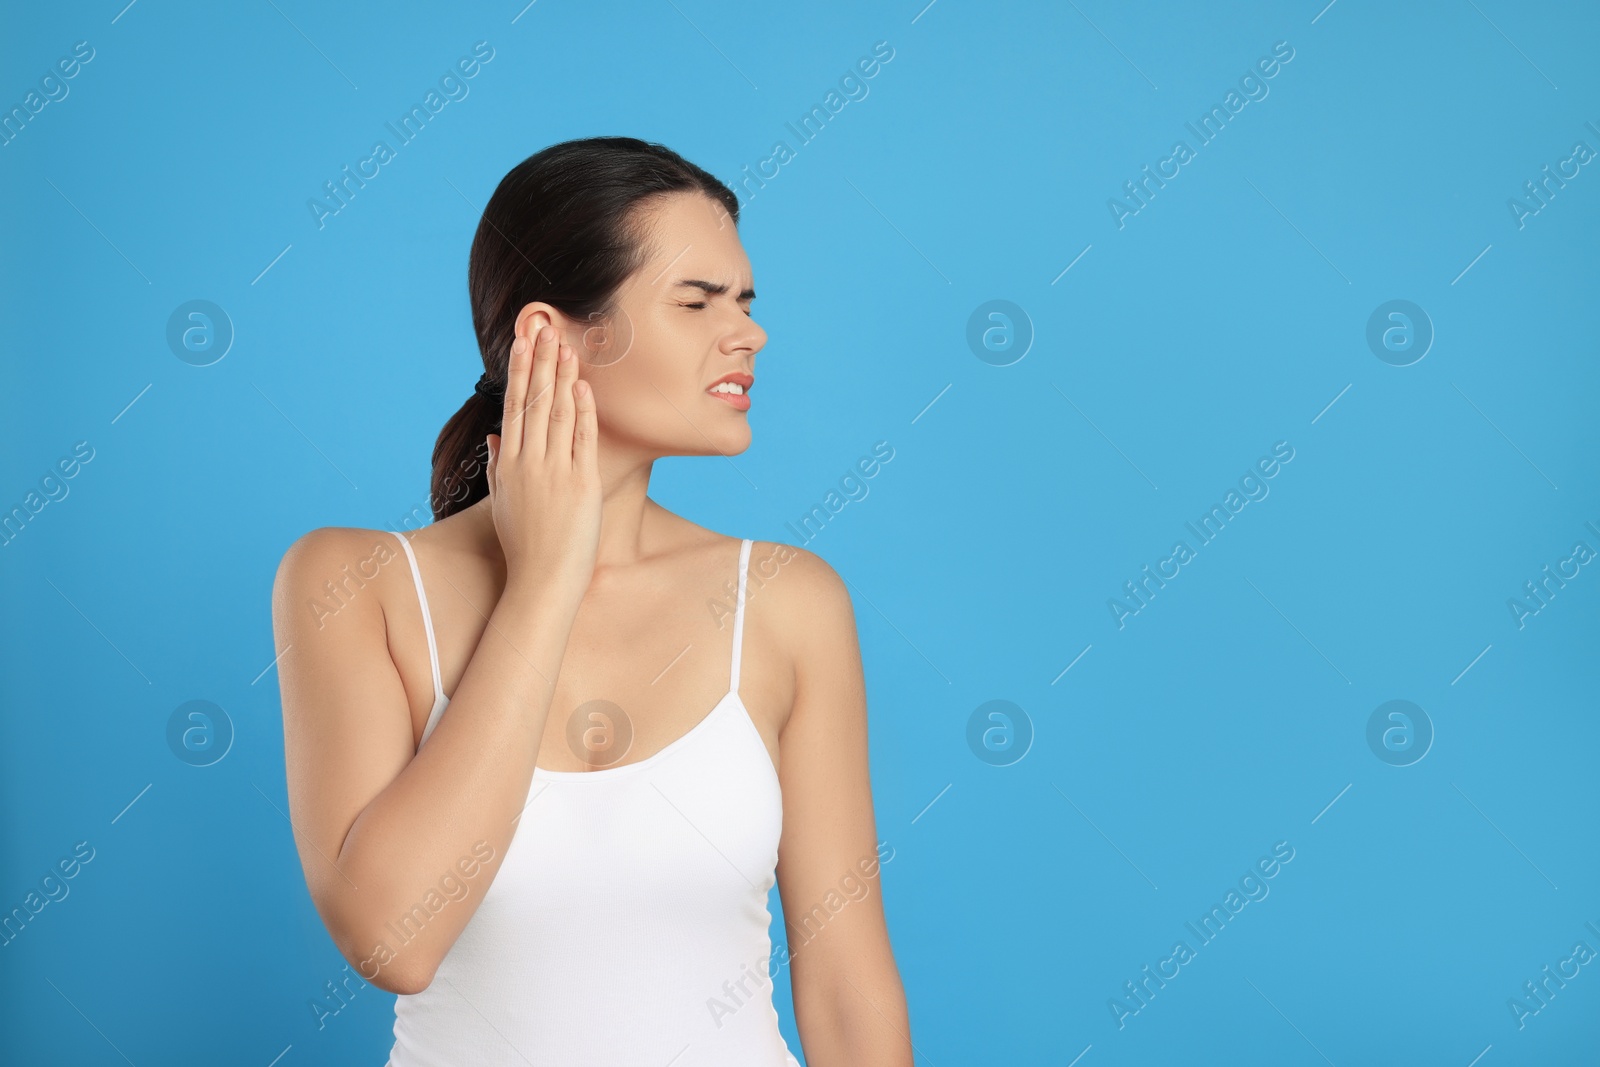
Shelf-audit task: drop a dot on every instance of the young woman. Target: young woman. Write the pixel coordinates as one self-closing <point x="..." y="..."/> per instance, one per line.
<point x="512" y="805"/>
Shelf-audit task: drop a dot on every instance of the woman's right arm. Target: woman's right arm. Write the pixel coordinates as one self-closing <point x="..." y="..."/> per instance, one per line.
<point x="377" y="829"/>
<point x="393" y="844"/>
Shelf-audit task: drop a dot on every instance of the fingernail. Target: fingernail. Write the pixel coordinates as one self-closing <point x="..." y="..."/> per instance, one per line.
<point x="546" y="333"/>
<point x="566" y="354"/>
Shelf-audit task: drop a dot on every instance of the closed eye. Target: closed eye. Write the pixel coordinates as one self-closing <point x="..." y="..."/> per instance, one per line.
<point x="700" y="305"/>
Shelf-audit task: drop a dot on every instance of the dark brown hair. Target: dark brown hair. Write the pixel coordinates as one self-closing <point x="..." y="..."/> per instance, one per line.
<point x="562" y="228"/>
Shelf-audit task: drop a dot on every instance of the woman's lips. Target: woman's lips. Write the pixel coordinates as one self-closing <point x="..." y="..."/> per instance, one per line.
<point x="738" y="401"/>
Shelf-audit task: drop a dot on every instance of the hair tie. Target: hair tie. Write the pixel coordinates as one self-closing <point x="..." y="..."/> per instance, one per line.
<point x="487" y="388"/>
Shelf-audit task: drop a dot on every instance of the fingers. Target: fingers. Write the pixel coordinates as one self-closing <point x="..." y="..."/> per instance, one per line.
<point x="516" y="396"/>
<point x="522" y="424"/>
<point x="562" y="409"/>
<point x="585" y="429"/>
<point x="541" y="382"/>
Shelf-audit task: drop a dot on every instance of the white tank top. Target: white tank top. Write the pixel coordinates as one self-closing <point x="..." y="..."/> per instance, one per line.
<point x="628" y="922"/>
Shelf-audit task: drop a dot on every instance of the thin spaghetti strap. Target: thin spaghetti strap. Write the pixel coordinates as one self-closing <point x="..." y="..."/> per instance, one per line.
<point x="427" y="619"/>
<point x="738" y="615"/>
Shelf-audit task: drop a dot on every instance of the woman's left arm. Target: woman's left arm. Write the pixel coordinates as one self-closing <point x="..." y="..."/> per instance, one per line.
<point x="849" y="1003"/>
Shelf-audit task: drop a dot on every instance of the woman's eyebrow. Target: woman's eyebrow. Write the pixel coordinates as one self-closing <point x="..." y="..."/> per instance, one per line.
<point x="714" y="288"/>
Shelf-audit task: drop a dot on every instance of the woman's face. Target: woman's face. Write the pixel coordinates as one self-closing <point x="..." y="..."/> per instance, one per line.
<point x="682" y="325"/>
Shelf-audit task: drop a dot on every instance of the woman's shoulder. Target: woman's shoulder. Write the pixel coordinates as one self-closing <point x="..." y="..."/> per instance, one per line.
<point x="798" y="586"/>
<point x="812" y="574"/>
<point x="805" y="599"/>
<point x="334" y="558"/>
<point x="333" y="542"/>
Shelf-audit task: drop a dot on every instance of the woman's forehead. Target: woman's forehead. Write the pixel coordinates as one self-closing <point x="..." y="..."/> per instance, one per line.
<point x="707" y="257"/>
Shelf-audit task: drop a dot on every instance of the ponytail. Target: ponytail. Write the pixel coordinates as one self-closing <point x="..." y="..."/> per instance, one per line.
<point x="461" y="456"/>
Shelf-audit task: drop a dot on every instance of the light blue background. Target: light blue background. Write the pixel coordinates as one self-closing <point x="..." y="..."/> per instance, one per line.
<point x="1227" y="315"/>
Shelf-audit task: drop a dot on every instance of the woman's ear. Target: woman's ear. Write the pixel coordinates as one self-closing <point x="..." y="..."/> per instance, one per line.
<point x="536" y="315"/>
<point x="599" y="341"/>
